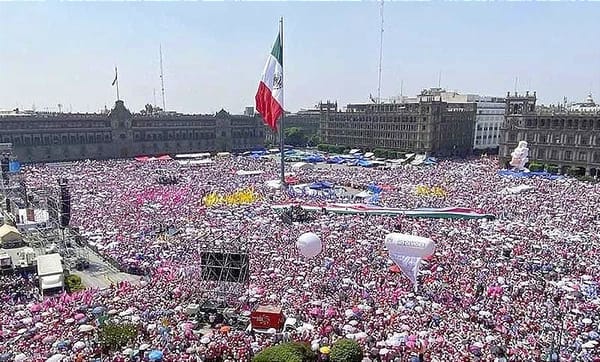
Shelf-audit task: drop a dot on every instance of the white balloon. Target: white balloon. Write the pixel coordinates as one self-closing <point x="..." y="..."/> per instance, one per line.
<point x="409" y="245"/>
<point x="309" y="245"/>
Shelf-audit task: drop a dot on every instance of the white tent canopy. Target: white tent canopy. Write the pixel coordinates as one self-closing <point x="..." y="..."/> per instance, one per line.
<point x="49" y="264"/>
<point x="204" y="162"/>
<point x="248" y="173"/>
<point x="363" y="195"/>
<point x="52" y="281"/>
<point x="302" y="166"/>
<point x="193" y="155"/>
<point x="517" y="189"/>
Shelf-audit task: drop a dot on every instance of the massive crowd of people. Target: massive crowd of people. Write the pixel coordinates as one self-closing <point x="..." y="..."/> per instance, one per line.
<point x="518" y="288"/>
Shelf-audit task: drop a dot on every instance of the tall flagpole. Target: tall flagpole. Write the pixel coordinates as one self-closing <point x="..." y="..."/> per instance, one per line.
<point x="281" y="133"/>
<point x="117" y="82"/>
<point x="380" y="55"/>
<point x="162" y="80"/>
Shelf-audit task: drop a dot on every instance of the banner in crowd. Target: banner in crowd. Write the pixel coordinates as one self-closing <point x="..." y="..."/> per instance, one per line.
<point x="240" y="197"/>
<point x="440" y="213"/>
<point x="430" y="191"/>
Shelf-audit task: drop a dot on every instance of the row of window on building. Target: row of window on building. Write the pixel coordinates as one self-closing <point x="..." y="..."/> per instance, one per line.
<point x="56" y="139"/>
<point x="583" y="124"/>
<point x="29" y="124"/>
<point x="566" y="155"/>
<point x="564" y="139"/>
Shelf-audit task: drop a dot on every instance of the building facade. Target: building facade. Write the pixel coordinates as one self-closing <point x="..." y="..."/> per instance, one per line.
<point x="45" y="137"/>
<point x="488" y="122"/>
<point x="489" y="118"/>
<point x="558" y="135"/>
<point x="424" y="124"/>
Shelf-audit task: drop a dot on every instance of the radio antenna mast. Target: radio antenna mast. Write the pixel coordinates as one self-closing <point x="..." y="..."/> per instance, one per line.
<point x="380" y="54"/>
<point x="162" y="80"/>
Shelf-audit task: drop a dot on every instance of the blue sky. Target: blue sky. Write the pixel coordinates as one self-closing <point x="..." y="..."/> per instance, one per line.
<point x="214" y="53"/>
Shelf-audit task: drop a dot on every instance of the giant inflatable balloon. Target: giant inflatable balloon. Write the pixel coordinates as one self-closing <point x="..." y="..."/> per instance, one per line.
<point x="409" y="245"/>
<point x="309" y="245"/>
<point x="519" y="156"/>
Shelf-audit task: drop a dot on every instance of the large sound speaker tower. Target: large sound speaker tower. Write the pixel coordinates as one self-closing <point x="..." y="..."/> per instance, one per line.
<point x="65" y="203"/>
<point x="4" y="168"/>
<point x="225" y="267"/>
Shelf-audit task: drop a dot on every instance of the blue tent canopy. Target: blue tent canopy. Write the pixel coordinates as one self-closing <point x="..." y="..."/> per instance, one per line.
<point x="375" y="189"/>
<point x="336" y="159"/>
<point x="430" y="161"/>
<point x="320" y="185"/>
<point x="14" y="166"/>
<point x="364" y="163"/>
<point x="155" y="355"/>
<point x="314" y="159"/>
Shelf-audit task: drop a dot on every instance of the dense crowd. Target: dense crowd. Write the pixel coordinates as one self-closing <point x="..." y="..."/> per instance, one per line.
<point x="512" y="289"/>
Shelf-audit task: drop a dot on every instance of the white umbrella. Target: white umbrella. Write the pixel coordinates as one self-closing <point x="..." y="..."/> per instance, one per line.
<point x="27" y="320"/>
<point x="586" y="321"/>
<point x="144" y="347"/>
<point x="360" y="335"/>
<point x="56" y="358"/>
<point x="590" y="344"/>
<point x="79" y="345"/>
<point x="21" y="357"/>
<point x="205" y="340"/>
<point x="383" y="351"/>
<point x="85" y="328"/>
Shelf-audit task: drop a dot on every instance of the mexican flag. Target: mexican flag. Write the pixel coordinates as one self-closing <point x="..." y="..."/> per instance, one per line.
<point x="269" y="97"/>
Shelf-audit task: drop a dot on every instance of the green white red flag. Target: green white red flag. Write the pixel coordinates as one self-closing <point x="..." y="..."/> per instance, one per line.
<point x="269" y="97"/>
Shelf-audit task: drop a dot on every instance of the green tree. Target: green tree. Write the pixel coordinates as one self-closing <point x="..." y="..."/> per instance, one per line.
<point x="295" y="136"/>
<point x="73" y="283"/>
<point x="346" y="350"/>
<point x="286" y="352"/>
<point x="115" y="336"/>
<point x="534" y="167"/>
<point x="314" y="140"/>
<point x="552" y="168"/>
<point x="380" y="152"/>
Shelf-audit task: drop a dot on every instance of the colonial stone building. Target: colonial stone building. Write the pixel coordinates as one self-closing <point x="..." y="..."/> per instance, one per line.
<point x="489" y="118"/>
<point x="567" y="137"/>
<point x="38" y="137"/>
<point x="424" y="124"/>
